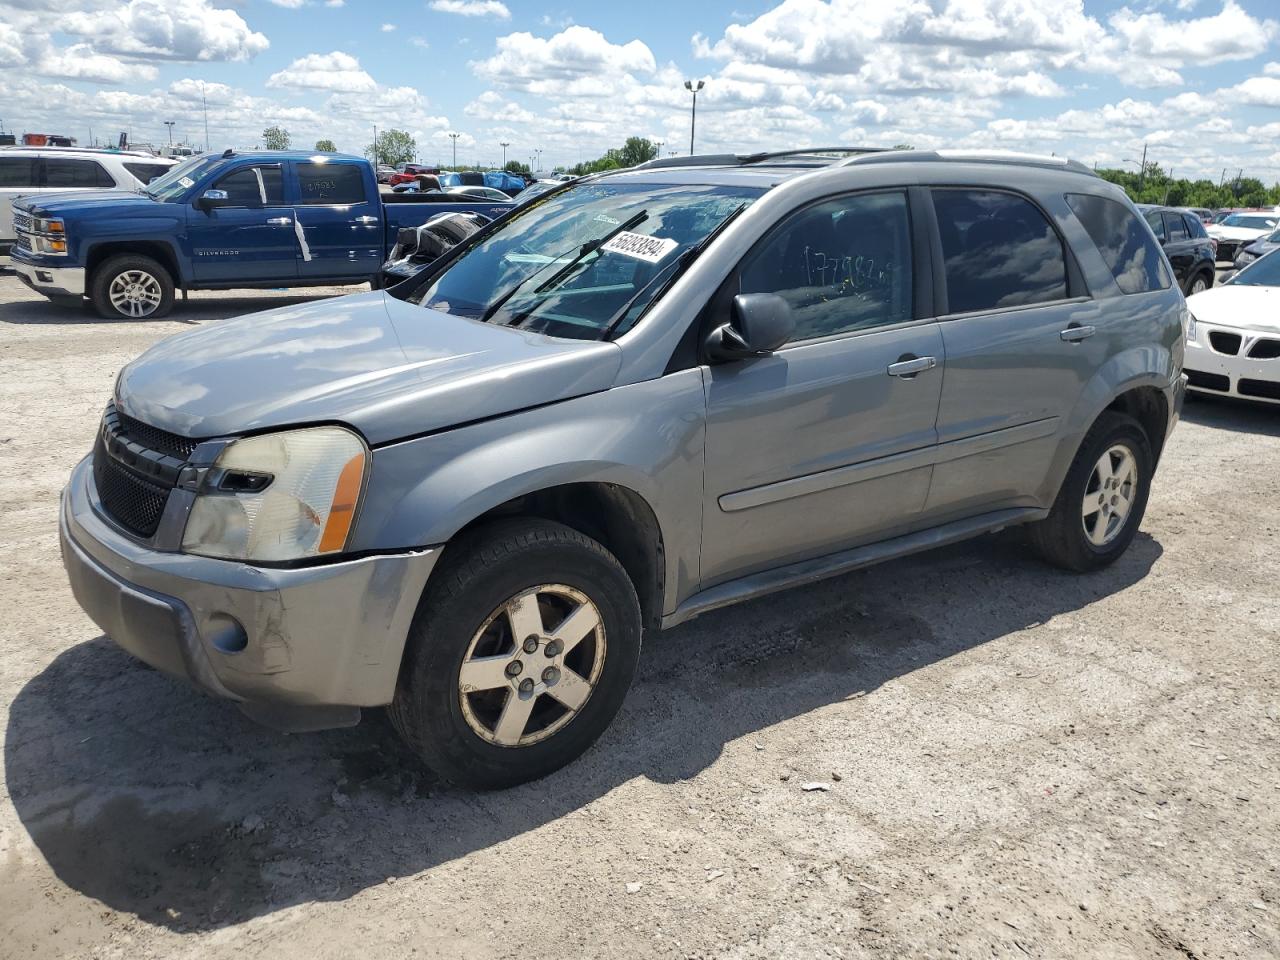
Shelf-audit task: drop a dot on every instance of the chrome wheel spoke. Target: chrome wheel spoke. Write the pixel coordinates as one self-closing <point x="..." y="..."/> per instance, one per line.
<point x="1109" y="495"/>
<point x="515" y="717"/>
<point x="525" y="617"/>
<point x="576" y="627"/>
<point x="571" y="689"/>
<point x="1092" y="504"/>
<point x="484" y="673"/>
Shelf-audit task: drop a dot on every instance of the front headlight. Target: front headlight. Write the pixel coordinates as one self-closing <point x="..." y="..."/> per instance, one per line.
<point x="49" y="236"/>
<point x="1246" y="257"/>
<point x="1191" y="326"/>
<point x="279" y="496"/>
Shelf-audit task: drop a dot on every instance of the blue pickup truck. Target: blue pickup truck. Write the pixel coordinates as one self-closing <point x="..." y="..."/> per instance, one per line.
<point x="219" y="221"/>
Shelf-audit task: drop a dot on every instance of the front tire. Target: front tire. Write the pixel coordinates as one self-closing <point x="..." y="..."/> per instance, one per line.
<point x="1102" y="500"/>
<point x="521" y="653"/>
<point x="132" y="287"/>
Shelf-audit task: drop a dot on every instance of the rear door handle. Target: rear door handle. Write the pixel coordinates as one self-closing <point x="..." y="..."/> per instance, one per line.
<point x="366" y="219"/>
<point x="279" y="221"/>
<point x="909" y="368"/>
<point x="1075" y="333"/>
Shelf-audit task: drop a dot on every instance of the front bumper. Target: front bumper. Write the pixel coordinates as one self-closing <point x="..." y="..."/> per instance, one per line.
<point x="51" y="281"/>
<point x="298" y="648"/>
<point x="1228" y="375"/>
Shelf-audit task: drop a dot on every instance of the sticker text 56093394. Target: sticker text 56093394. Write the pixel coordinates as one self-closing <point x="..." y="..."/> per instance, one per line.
<point x="637" y="245"/>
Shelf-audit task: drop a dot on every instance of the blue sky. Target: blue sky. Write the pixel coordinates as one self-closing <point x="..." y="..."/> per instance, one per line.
<point x="1197" y="80"/>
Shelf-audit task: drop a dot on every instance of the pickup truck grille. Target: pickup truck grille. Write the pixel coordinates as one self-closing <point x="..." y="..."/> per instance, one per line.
<point x="21" y="222"/>
<point x="135" y="467"/>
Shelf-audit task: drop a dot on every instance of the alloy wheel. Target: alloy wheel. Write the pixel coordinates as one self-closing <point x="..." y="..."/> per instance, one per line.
<point x="1109" y="495"/>
<point x="521" y="681"/>
<point x="135" y="293"/>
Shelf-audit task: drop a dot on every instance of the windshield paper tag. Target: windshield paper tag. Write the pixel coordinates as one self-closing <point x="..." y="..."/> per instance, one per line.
<point x="640" y="247"/>
<point x="187" y="182"/>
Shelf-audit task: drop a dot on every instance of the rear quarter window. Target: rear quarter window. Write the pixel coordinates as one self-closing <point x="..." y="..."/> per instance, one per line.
<point x="330" y="183"/>
<point x="17" y="172"/>
<point x="1128" y="250"/>
<point x="75" y="174"/>
<point x="146" y="172"/>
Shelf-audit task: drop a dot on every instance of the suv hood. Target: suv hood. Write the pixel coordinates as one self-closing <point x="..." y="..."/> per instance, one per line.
<point x="387" y="368"/>
<point x="56" y="204"/>
<point x="1238" y="233"/>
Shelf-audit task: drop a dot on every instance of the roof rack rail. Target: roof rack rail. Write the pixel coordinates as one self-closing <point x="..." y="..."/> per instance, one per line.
<point x="746" y="159"/>
<point x="1010" y="157"/>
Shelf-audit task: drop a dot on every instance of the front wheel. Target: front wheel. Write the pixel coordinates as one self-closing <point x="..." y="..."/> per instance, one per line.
<point x="131" y="287"/>
<point x="1102" y="500"/>
<point x="520" y="655"/>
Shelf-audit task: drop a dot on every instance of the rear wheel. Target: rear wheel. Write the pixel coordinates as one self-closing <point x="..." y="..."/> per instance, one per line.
<point x="1102" y="500"/>
<point x="520" y="655"/>
<point x="1199" y="283"/>
<point x="132" y="287"/>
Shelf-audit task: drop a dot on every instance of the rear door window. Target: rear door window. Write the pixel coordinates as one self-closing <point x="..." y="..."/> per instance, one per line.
<point x="1156" y="222"/>
<point x="999" y="251"/>
<point x="146" y="172"/>
<point x="330" y="183"/>
<point x="1175" y="227"/>
<point x="75" y="174"/>
<point x="254" y="186"/>
<point x="17" y="172"/>
<point x="1133" y="259"/>
<point x="1194" y="226"/>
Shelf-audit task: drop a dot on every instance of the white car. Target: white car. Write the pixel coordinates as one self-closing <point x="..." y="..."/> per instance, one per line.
<point x="1233" y="341"/>
<point x="28" y="170"/>
<point x="1241" y="229"/>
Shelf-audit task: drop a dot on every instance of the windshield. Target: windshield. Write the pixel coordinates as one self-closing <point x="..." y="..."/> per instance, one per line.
<point x="1252" y="223"/>
<point x="1263" y="272"/>
<point x="585" y="262"/>
<point x="180" y="179"/>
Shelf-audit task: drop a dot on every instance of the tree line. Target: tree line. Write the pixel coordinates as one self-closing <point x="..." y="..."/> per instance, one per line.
<point x="1153" y="185"/>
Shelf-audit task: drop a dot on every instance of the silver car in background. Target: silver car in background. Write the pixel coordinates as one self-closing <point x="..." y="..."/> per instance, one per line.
<point x="641" y="397"/>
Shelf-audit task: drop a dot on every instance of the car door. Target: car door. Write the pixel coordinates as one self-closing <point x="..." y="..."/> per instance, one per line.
<point x="17" y="179"/>
<point x="827" y="442"/>
<point x="252" y="237"/>
<point x="1019" y="335"/>
<point x="339" y="222"/>
<point x="1178" y="246"/>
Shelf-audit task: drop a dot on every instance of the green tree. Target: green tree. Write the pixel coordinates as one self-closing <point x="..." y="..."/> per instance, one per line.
<point x="326" y="146"/>
<point x="276" y="138"/>
<point x="635" y="151"/>
<point x="392" y="147"/>
<point x="515" y="166"/>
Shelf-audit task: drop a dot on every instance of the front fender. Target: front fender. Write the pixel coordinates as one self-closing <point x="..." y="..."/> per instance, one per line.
<point x="646" y="437"/>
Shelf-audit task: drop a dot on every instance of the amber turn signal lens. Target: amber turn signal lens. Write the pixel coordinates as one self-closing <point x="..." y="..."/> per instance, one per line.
<point x="343" y="511"/>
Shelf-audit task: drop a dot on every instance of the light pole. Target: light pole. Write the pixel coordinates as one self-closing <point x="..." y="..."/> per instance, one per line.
<point x="505" y="144"/>
<point x="537" y="153"/>
<point x="454" y="138"/>
<point x="204" y="105"/>
<point x="693" y="114"/>
<point x="657" y="147"/>
<point x="169" y="124"/>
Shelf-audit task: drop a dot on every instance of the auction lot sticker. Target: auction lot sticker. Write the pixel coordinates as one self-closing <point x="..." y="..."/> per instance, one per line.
<point x="640" y="247"/>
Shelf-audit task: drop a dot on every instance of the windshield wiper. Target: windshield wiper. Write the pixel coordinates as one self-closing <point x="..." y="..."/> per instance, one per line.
<point x="585" y="249"/>
<point x="672" y="273"/>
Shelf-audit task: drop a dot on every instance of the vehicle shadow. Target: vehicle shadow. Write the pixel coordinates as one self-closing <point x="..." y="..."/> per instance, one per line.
<point x="143" y="795"/>
<point x="1232" y="413"/>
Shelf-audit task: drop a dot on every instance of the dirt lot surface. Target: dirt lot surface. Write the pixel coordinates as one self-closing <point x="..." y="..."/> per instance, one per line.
<point x="1014" y="761"/>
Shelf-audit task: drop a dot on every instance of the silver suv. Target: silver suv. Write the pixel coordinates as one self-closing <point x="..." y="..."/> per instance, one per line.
<point x="642" y="397"/>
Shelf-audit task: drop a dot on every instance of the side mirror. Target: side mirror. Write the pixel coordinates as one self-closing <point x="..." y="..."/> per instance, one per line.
<point x="211" y="199"/>
<point x="759" y="323"/>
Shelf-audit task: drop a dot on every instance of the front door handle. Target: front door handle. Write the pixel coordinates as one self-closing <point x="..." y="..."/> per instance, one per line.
<point x="366" y="219"/>
<point x="279" y="221"/>
<point x="908" y="367"/>
<point x="1076" y="333"/>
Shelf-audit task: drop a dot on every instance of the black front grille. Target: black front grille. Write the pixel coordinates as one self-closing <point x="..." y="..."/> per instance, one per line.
<point x="170" y="444"/>
<point x="135" y="465"/>
<point x="136" y="503"/>
<point x="1227" y="250"/>
<point x="1265" y="350"/>
<point x="1264" y="389"/>
<point x="1207" y="381"/>
<point x="1228" y="343"/>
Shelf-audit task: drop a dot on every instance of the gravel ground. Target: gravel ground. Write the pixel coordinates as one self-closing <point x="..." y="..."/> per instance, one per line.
<point x="1014" y="761"/>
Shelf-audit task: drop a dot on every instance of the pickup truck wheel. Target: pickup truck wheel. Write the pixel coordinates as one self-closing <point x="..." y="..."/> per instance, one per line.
<point x="1102" y="500"/>
<point x="520" y="655"/>
<point x="132" y="287"/>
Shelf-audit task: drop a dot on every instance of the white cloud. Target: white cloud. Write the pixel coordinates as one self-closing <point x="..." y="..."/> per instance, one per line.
<point x="1256" y="91"/>
<point x="336" y="71"/>
<point x="154" y="29"/>
<point x="473" y="8"/>
<point x="79" y="62"/>
<point x="388" y="28"/>
<point x="11" y="49"/>
<point x="1230" y="34"/>
<point x="577" y="55"/>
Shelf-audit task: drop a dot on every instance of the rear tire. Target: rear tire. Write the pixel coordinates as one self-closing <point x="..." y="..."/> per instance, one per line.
<point x="131" y="287"/>
<point x="1199" y="283"/>
<point x="1111" y="473"/>
<point x="501" y="601"/>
